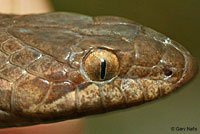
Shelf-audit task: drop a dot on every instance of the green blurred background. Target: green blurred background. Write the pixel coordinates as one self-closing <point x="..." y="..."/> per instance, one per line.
<point x="178" y="19"/>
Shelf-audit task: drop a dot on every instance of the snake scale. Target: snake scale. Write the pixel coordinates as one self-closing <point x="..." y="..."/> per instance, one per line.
<point x="59" y="66"/>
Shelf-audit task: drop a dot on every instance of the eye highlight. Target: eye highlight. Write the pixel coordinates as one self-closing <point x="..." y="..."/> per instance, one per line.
<point x="101" y="65"/>
<point x="103" y="68"/>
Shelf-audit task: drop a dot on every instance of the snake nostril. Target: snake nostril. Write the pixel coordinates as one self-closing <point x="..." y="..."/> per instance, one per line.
<point x="167" y="72"/>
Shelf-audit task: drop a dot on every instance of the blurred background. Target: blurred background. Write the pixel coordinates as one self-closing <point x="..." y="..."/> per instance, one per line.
<point x="178" y="19"/>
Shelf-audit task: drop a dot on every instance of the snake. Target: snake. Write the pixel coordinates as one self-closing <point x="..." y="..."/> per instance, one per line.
<point x="59" y="66"/>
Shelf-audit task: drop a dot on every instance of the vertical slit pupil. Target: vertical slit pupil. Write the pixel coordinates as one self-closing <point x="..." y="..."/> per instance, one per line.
<point x="103" y="68"/>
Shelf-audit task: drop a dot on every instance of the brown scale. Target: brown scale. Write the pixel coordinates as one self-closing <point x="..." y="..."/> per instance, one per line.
<point x="59" y="66"/>
<point x="3" y="59"/>
<point x="49" y="68"/>
<point x="29" y="92"/>
<point x="24" y="57"/>
<point x="11" y="72"/>
<point x="61" y="99"/>
<point x="11" y="46"/>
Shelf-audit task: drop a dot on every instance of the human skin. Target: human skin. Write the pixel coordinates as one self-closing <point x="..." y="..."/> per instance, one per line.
<point x="25" y="6"/>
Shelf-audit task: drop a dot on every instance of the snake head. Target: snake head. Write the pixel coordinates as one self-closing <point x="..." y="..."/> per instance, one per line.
<point x="151" y="67"/>
<point x="59" y="66"/>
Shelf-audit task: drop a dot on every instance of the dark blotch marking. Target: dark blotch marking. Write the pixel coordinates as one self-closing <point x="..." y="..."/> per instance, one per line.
<point x="103" y="68"/>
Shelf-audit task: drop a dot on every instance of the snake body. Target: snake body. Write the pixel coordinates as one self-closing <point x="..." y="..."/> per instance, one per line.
<point x="59" y="66"/>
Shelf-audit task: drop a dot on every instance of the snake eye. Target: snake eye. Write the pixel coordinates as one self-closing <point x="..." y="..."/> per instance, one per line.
<point x="167" y="72"/>
<point x="101" y="65"/>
